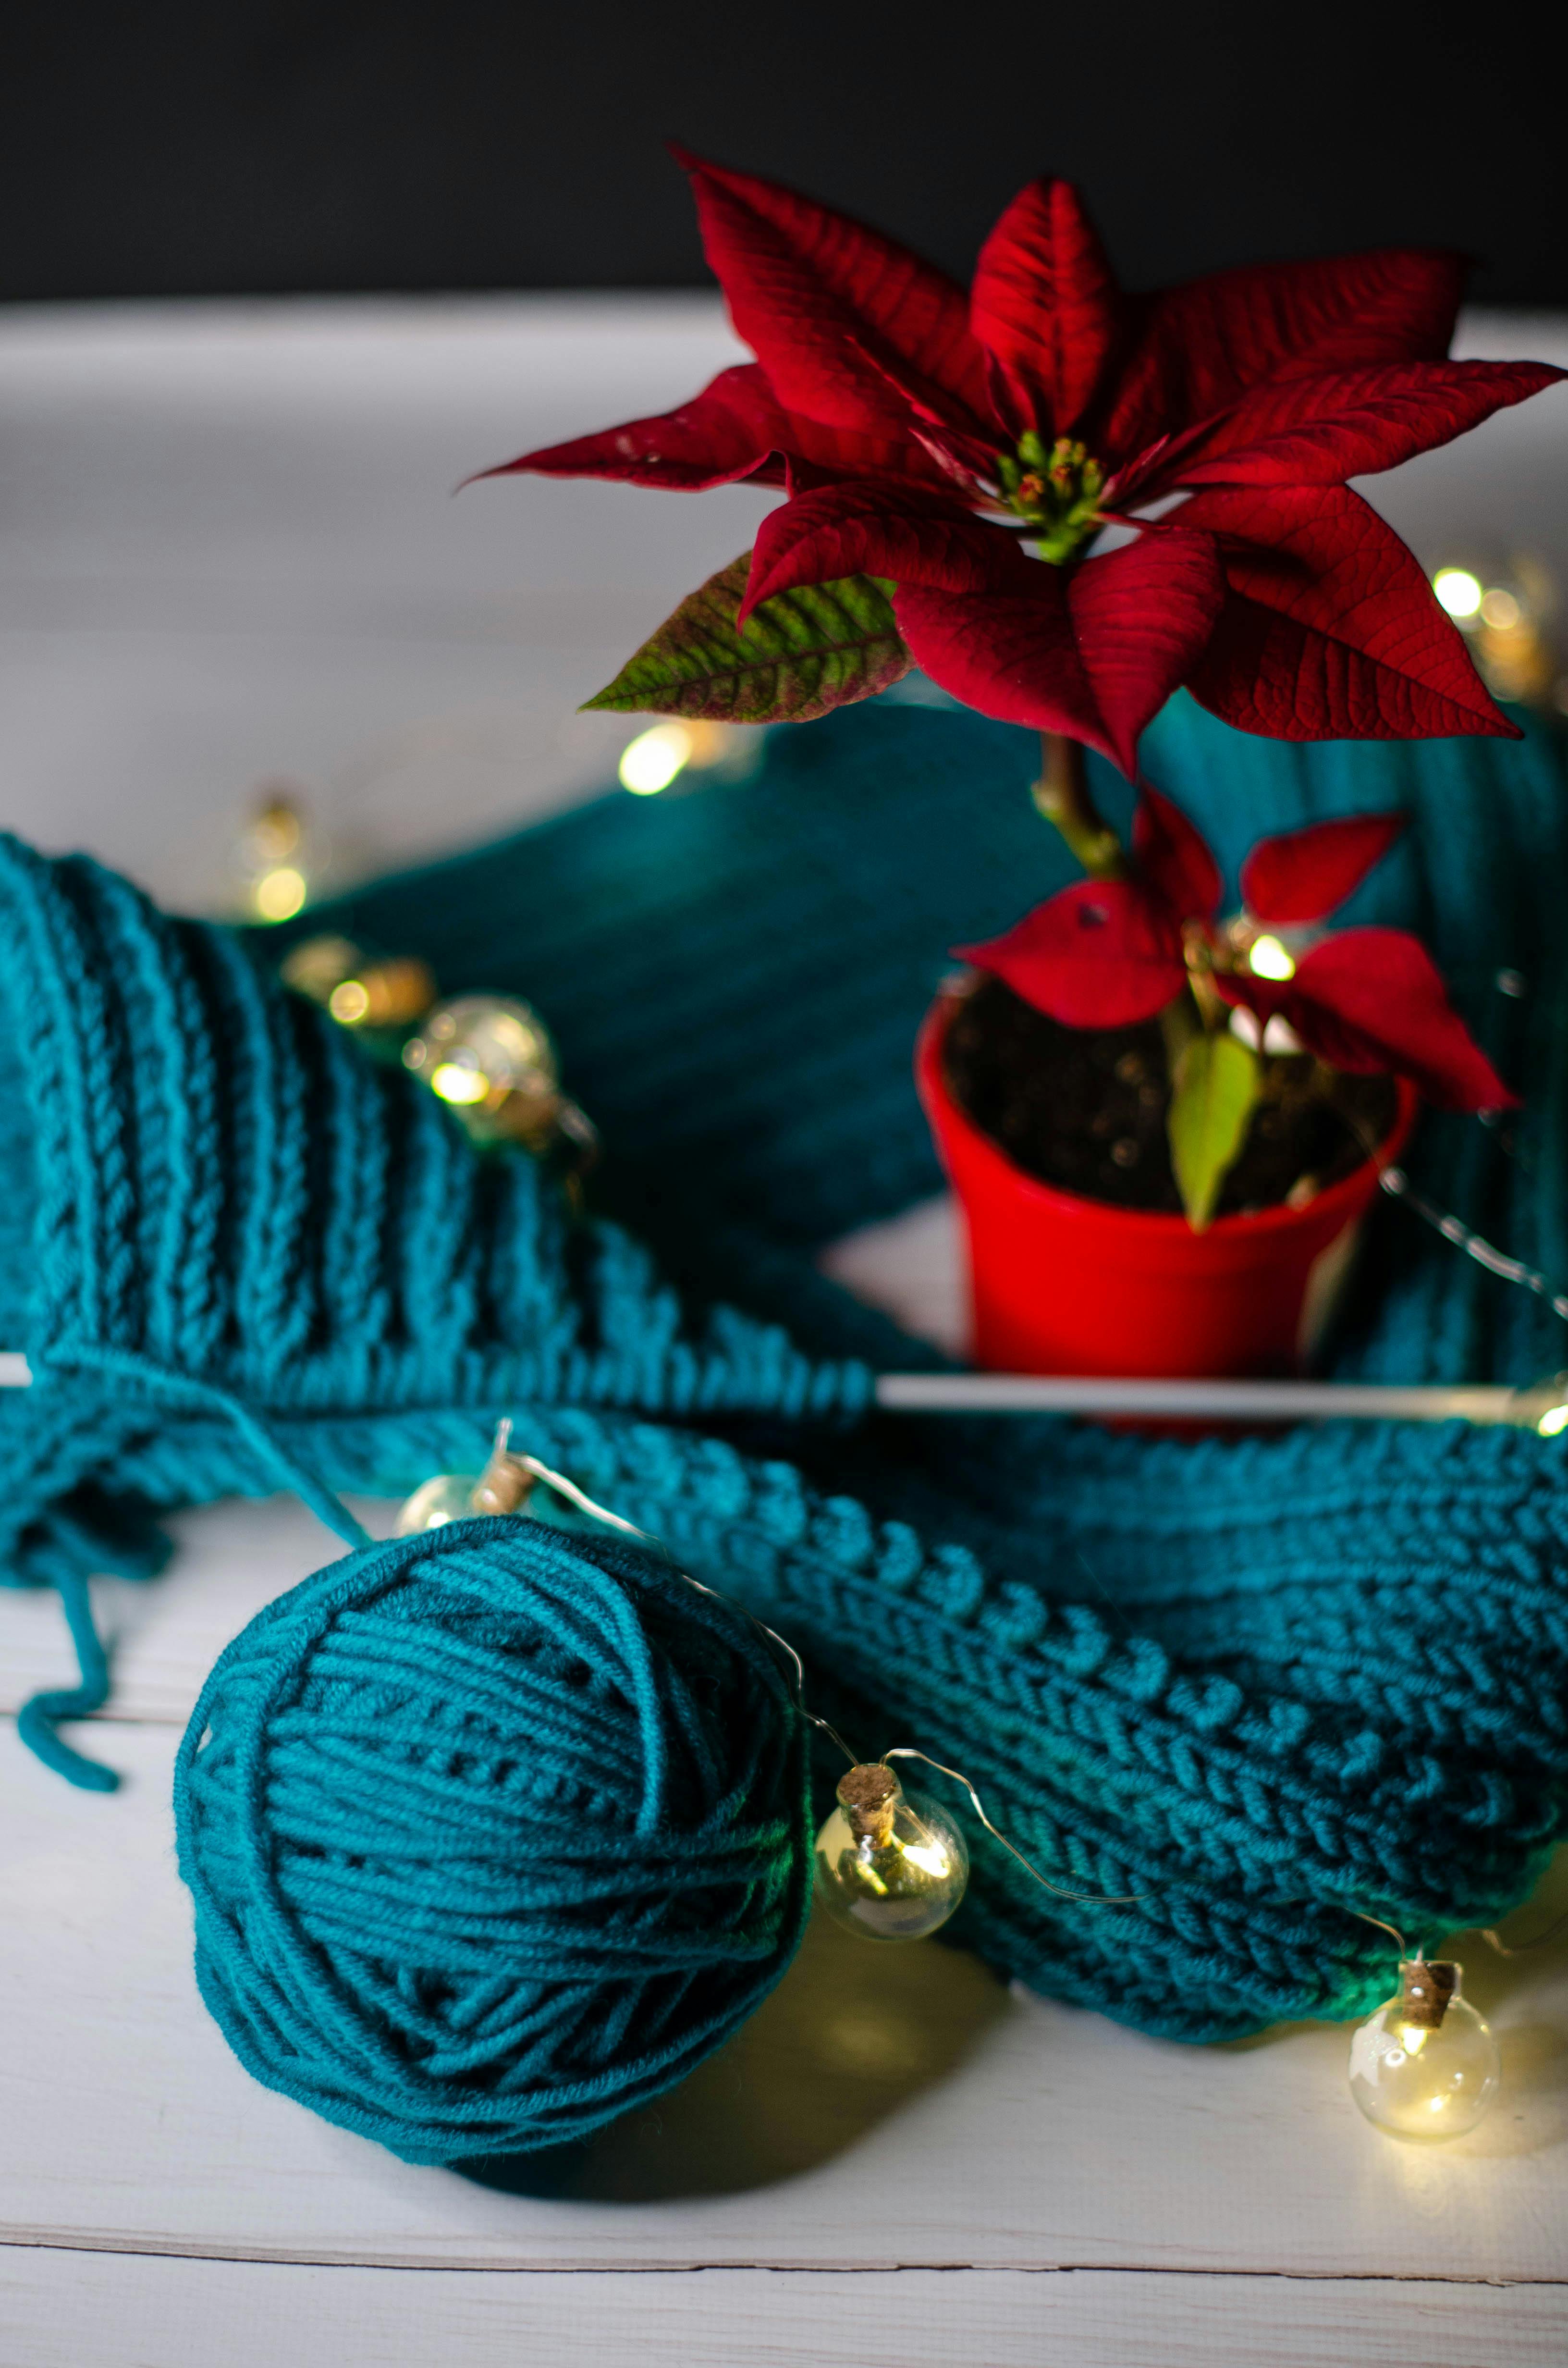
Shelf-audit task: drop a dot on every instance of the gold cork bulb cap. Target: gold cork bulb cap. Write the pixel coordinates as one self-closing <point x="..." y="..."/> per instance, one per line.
<point x="890" y="1865"/>
<point x="1425" y="2066"/>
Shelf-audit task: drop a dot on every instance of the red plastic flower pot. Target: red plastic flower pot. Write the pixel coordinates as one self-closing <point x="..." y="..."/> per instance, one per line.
<point x="1061" y="1284"/>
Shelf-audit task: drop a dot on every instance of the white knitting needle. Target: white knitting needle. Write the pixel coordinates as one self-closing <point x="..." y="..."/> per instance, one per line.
<point x="1543" y="1407"/>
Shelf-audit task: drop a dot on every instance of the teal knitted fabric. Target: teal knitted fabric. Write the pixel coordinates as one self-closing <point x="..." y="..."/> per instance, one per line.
<point x="1259" y="1681"/>
<point x="218" y="1212"/>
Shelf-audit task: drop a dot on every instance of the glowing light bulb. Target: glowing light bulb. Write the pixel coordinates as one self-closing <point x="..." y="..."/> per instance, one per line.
<point x="376" y="999"/>
<point x="317" y="966"/>
<point x="650" y="762"/>
<point x="1267" y="957"/>
<point x="349" y="1002"/>
<point x="277" y="829"/>
<point x="888" y="1863"/>
<point x="1424" y="2066"/>
<point x="503" y="1486"/>
<point x="279" y="893"/>
<point x="1459" y="592"/>
<point x="446" y="1497"/>
<point x="489" y="1058"/>
<point x="1553" y="1422"/>
<point x="277" y="854"/>
<point x="455" y="1083"/>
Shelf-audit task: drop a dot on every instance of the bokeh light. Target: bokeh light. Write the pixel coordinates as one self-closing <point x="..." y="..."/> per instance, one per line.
<point x="1460" y="591"/>
<point x="650" y="762"/>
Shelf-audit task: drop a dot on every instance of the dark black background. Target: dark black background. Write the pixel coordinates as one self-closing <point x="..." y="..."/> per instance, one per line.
<point x="260" y="146"/>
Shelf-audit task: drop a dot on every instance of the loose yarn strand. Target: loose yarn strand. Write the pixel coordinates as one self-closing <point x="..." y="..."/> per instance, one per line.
<point x="185" y="1389"/>
<point x="38" y="1719"/>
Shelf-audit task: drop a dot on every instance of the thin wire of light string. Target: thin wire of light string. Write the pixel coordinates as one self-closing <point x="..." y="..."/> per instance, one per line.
<point x="1392" y="1930"/>
<point x="1085" y="1899"/>
<point x="1453" y="1229"/>
<point x="1523" y="1948"/>
<point x="564" y="1487"/>
<point x="1489" y="1933"/>
<point x="1393" y="1181"/>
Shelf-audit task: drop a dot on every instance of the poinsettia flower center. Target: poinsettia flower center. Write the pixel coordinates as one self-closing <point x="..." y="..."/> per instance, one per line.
<point x="1057" y="492"/>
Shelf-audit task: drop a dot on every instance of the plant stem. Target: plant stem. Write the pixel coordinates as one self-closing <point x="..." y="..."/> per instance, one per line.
<point x="1062" y="794"/>
<point x="1179" y="1023"/>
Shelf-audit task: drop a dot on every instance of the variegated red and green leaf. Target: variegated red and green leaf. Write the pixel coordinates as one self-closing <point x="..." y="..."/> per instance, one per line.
<point x="798" y="654"/>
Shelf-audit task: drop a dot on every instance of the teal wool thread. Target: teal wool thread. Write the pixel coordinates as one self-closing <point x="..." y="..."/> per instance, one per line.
<point x="491" y="1834"/>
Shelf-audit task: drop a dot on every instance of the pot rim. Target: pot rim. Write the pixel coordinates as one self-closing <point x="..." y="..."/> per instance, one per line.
<point x="1151" y="1224"/>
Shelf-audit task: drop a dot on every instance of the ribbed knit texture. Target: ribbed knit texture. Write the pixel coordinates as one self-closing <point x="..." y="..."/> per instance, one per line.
<point x="1260" y="1680"/>
<point x="492" y="1836"/>
<point x="218" y="1212"/>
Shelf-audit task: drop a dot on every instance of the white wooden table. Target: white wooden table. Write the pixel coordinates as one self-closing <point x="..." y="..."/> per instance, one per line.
<point x="228" y="552"/>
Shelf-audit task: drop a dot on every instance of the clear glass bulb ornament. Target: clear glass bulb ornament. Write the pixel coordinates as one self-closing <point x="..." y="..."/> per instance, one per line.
<point x="889" y="1863"/>
<point x="383" y="996"/>
<point x="316" y="966"/>
<point x="444" y="1496"/>
<point x="1424" y="2066"/>
<point x="490" y="1059"/>
<point x="374" y="996"/>
<point x="503" y="1486"/>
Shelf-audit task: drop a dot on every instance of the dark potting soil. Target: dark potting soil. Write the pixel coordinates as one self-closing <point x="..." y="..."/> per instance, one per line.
<point x="1084" y="1109"/>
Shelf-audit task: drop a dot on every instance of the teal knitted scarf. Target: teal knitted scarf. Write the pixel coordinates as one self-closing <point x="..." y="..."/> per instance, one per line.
<point x="1259" y="1681"/>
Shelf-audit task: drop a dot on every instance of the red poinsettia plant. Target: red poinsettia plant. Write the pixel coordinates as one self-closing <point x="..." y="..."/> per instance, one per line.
<point x="1063" y="502"/>
<point x="956" y="466"/>
<point x="1148" y="942"/>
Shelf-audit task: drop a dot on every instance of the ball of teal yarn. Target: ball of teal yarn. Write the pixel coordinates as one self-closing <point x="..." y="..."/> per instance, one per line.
<point x="492" y="1834"/>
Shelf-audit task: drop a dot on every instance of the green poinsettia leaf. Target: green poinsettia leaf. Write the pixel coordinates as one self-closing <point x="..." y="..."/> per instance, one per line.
<point x="1213" y="1088"/>
<point x="797" y="654"/>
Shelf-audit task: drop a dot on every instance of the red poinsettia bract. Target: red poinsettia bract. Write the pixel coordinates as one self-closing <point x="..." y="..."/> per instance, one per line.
<point x="1107" y="953"/>
<point x="935" y="439"/>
